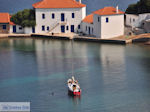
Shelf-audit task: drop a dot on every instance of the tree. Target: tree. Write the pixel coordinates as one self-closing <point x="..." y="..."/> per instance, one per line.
<point x="143" y="6"/>
<point x="25" y="18"/>
<point x="132" y="9"/>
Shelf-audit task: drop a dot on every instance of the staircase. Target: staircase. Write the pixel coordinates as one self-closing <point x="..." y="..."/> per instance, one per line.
<point x="55" y="25"/>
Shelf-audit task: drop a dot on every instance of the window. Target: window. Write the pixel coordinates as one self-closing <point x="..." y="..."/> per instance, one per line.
<point x="86" y="28"/>
<point x="43" y="28"/>
<point x="67" y="27"/>
<point x="62" y="17"/>
<point x="78" y="26"/>
<point x="133" y="20"/>
<point x="107" y="20"/>
<point x="43" y="16"/>
<point x="20" y="28"/>
<point x="73" y="15"/>
<point x="53" y="16"/>
<point x="89" y="30"/>
<point x="48" y="28"/>
<point x="143" y="24"/>
<point x="4" y="27"/>
<point x="130" y="20"/>
<point x="98" y="19"/>
<point x="92" y="30"/>
<point x="72" y="28"/>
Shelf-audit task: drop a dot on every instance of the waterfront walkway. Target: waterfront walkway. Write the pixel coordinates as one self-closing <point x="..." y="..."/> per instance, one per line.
<point x="69" y="36"/>
<point x="77" y="37"/>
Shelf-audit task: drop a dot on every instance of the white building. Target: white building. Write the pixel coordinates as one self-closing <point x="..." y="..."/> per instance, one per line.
<point x="139" y="23"/>
<point x="136" y="20"/>
<point x="87" y="25"/>
<point x="107" y="23"/>
<point x="20" y="30"/>
<point x="6" y="26"/>
<point x="131" y="20"/>
<point x="59" y="16"/>
<point x="16" y="28"/>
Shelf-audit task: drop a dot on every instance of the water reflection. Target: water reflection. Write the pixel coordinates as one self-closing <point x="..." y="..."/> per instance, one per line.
<point x="27" y="45"/>
<point x="112" y="77"/>
<point x="4" y="44"/>
<point x="113" y="63"/>
<point x="75" y="99"/>
<point x="52" y="55"/>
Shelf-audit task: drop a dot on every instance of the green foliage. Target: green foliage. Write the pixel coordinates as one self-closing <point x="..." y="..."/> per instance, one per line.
<point x="143" y="6"/>
<point x="25" y="18"/>
<point x="132" y="9"/>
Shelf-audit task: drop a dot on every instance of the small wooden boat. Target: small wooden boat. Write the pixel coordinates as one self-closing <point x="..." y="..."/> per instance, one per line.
<point x="73" y="87"/>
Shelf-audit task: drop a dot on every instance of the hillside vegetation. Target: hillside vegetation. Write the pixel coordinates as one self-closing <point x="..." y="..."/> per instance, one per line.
<point x="142" y="6"/>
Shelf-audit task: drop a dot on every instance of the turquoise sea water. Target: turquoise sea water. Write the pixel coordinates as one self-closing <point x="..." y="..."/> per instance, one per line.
<point x="113" y="78"/>
<point x="13" y="6"/>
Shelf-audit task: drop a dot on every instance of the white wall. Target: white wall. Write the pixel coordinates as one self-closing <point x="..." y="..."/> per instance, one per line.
<point x="28" y="30"/>
<point x="138" y="19"/>
<point x="19" y="29"/>
<point x="11" y="29"/>
<point x="142" y="17"/>
<point x="48" y="21"/>
<point x="114" y="28"/>
<point x="97" y="25"/>
<point x="86" y="31"/>
<point x="83" y="12"/>
<point x="131" y="20"/>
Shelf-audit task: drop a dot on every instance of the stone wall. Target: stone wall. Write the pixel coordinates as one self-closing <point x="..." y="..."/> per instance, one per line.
<point x="4" y="30"/>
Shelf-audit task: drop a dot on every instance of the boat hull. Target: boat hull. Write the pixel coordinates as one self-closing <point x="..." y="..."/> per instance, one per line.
<point x="74" y="93"/>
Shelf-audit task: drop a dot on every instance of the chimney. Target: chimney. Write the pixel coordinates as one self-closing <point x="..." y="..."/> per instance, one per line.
<point x="80" y="1"/>
<point x="117" y="9"/>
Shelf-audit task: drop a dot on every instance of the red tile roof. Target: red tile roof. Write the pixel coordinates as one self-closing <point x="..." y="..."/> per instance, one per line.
<point x="104" y="11"/>
<point x="58" y="4"/>
<point x="88" y="19"/>
<point x="108" y="11"/>
<point x="11" y="23"/>
<point x="4" y="18"/>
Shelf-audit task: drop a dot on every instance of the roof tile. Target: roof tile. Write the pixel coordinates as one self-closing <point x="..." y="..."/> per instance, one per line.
<point x="4" y="18"/>
<point x="88" y="19"/>
<point x="108" y="11"/>
<point x="58" y="4"/>
<point x="104" y="11"/>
